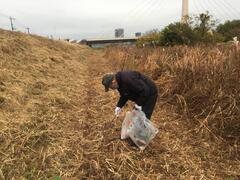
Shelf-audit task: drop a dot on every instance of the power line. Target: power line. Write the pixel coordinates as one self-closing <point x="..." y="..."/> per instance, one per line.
<point x="224" y="9"/>
<point x="154" y="6"/>
<point x="28" y="30"/>
<point x="11" y="21"/>
<point x="232" y="8"/>
<point x="134" y="11"/>
<point x="195" y="6"/>
<point x="160" y="4"/>
<point x="216" y="8"/>
<point x="20" y="25"/>
<point x="132" y="14"/>
<point x="147" y="9"/>
<point x="202" y="7"/>
<point x="15" y="23"/>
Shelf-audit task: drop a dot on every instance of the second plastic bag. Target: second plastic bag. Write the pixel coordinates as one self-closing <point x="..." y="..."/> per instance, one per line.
<point x="138" y="128"/>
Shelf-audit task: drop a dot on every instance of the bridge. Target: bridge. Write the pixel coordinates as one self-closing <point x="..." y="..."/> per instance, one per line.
<point x="111" y="41"/>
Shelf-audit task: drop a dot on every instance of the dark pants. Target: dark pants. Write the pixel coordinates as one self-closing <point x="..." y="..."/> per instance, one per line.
<point x="149" y="105"/>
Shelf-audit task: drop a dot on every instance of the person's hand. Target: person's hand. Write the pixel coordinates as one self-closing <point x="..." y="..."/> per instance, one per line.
<point x="137" y="107"/>
<point x="117" y="111"/>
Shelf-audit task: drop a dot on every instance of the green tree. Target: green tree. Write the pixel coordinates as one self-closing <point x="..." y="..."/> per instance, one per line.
<point x="204" y="28"/>
<point x="198" y="29"/>
<point x="229" y="29"/>
<point x="177" y="33"/>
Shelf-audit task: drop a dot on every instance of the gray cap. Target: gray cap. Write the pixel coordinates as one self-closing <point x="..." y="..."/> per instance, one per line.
<point x="107" y="80"/>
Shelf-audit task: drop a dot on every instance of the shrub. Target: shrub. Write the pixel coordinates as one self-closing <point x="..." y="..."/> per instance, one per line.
<point x="150" y="38"/>
<point x="229" y="29"/>
<point x="176" y="34"/>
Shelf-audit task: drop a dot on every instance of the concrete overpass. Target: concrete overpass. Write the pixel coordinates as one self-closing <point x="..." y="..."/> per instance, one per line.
<point x="111" y="41"/>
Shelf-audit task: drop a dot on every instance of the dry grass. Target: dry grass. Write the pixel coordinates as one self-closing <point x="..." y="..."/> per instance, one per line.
<point x="56" y="121"/>
<point x="201" y="84"/>
<point x="39" y="78"/>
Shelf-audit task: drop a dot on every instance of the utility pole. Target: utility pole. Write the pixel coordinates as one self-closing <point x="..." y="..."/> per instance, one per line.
<point x="28" y="30"/>
<point x="184" y="11"/>
<point x="11" y="20"/>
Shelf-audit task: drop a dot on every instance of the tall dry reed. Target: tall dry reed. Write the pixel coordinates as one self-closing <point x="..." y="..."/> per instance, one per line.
<point x="202" y="82"/>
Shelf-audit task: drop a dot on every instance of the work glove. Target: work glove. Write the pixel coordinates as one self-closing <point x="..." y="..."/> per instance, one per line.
<point x="137" y="107"/>
<point x="117" y="111"/>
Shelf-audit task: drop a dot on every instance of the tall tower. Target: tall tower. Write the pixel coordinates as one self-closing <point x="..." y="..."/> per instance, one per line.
<point x="184" y="11"/>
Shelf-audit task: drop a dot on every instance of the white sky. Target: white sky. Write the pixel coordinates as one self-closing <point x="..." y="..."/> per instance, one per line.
<point x="80" y="19"/>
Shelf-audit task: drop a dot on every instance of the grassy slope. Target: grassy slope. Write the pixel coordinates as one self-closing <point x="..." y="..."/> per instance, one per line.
<point x="38" y="82"/>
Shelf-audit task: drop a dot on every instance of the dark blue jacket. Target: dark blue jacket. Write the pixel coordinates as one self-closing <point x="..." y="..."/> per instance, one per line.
<point x="134" y="86"/>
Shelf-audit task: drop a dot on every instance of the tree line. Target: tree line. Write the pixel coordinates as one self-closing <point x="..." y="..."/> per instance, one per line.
<point x="202" y="28"/>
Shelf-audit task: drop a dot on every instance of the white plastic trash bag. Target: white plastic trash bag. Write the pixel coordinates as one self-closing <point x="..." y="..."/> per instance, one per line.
<point x="126" y="125"/>
<point x="138" y="128"/>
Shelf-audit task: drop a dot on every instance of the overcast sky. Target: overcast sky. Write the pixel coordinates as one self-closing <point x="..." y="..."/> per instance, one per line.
<point x="80" y="19"/>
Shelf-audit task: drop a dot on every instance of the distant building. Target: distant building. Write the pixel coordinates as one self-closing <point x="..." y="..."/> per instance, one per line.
<point x="138" y="34"/>
<point x="119" y="33"/>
